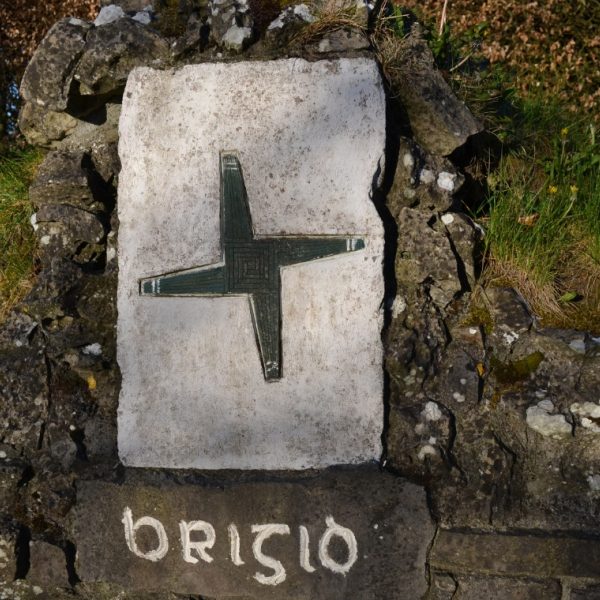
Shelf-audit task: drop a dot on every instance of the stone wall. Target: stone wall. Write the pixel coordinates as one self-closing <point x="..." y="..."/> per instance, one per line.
<point x="492" y="416"/>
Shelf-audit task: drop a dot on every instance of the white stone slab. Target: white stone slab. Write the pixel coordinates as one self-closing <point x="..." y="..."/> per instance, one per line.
<point x="309" y="137"/>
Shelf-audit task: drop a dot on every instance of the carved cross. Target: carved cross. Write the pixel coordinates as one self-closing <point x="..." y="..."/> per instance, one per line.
<point x="250" y="266"/>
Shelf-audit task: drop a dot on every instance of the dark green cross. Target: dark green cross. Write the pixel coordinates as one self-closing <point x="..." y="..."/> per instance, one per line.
<point x="249" y="266"/>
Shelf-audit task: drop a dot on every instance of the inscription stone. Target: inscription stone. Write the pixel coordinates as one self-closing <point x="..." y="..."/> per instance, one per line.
<point x="309" y="138"/>
<point x="358" y="534"/>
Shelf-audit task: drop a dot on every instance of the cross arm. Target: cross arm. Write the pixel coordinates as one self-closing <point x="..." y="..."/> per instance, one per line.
<point x="291" y="251"/>
<point x="195" y="282"/>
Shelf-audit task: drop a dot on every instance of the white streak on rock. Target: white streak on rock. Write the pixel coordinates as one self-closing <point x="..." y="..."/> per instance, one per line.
<point x="589" y="413"/>
<point x="108" y="14"/>
<point x="445" y="181"/>
<point x="540" y="419"/>
<point x="431" y="412"/>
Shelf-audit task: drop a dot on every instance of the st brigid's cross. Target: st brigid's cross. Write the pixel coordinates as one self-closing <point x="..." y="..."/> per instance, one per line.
<point x="249" y="266"/>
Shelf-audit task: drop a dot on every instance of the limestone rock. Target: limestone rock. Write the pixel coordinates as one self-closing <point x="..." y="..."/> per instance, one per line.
<point x="113" y="50"/>
<point x="439" y="121"/>
<point x="8" y="558"/>
<point x="195" y="36"/>
<point x="422" y="180"/>
<point x="42" y="127"/>
<point x="343" y="40"/>
<point x="144" y="17"/>
<point x="581" y="592"/>
<point x="425" y="253"/>
<point x="236" y="38"/>
<point x="108" y="14"/>
<point x="12" y="470"/>
<point x="457" y="382"/>
<point x="48" y="565"/>
<point x="48" y="76"/>
<point x="129" y="6"/>
<point x="530" y="556"/>
<point x="465" y="239"/>
<point x="23" y="384"/>
<point x="511" y="316"/>
<point x="288" y="22"/>
<point x="443" y="587"/>
<point x="65" y="178"/>
<point x="228" y="17"/>
<point x="65" y="230"/>
<point x="500" y="588"/>
<point x="540" y="418"/>
<point x="97" y="137"/>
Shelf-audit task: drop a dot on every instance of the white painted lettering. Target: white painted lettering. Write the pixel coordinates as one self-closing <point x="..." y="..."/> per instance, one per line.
<point x="234" y="545"/>
<point x="305" y="550"/>
<point x="333" y="529"/>
<point x="131" y="529"/>
<point x="263" y="532"/>
<point x="200" y="546"/>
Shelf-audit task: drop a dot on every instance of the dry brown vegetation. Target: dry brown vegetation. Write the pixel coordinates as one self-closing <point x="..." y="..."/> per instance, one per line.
<point x="26" y="22"/>
<point x="553" y="45"/>
<point x="23" y="24"/>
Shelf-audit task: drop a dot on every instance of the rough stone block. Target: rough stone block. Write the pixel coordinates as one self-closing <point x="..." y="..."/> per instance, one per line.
<point x="48" y="565"/>
<point x="355" y="534"/>
<point x="8" y="558"/>
<point x="582" y="592"/>
<point x="309" y="138"/>
<point x="515" y="555"/>
<point x="48" y="77"/>
<point x="113" y="50"/>
<point x="439" y="120"/>
<point x="498" y="588"/>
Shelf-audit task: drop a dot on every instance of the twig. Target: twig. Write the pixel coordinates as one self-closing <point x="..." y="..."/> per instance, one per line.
<point x="461" y="63"/>
<point x="444" y="17"/>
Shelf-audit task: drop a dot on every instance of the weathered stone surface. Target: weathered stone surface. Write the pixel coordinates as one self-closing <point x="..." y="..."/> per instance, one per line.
<point x="426" y="253"/>
<point x="439" y="121"/>
<point x="108" y="14"/>
<point x="515" y="555"/>
<point x="387" y="517"/>
<point x="236" y="38"/>
<point x="499" y="588"/>
<point x="8" y="556"/>
<point x="343" y="40"/>
<point x="65" y="178"/>
<point x="327" y="408"/>
<point x="511" y="319"/>
<point x="442" y="587"/>
<point x="42" y="127"/>
<point x="12" y="470"/>
<point x="23" y="382"/>
<point x="281" y="30"/>
<point x="227" y="17"/>
<point x="422" y="180"/>
<point x="99" y="128"/>
<point x="113" y="50"/>
<point x="47" y="565"/>
<point x="69" y="231"/>
<point x="465" y="239"/>
<point x="129" y="5"/>
<point x="49" y="74"/>
<point x="195" y="36"/>
<point x="581" y="592"/>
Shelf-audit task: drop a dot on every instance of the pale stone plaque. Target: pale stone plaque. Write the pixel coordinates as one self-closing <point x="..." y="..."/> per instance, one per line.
<point x="199" y="387"/>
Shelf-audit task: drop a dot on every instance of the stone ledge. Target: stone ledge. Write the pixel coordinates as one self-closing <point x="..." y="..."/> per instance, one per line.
<point x="516" y="555"/>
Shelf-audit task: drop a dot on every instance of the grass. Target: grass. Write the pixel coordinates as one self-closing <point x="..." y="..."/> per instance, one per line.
<point x="17" y="242"/>
<point x="540" y="207"/>
<point x="542" y="216"/>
